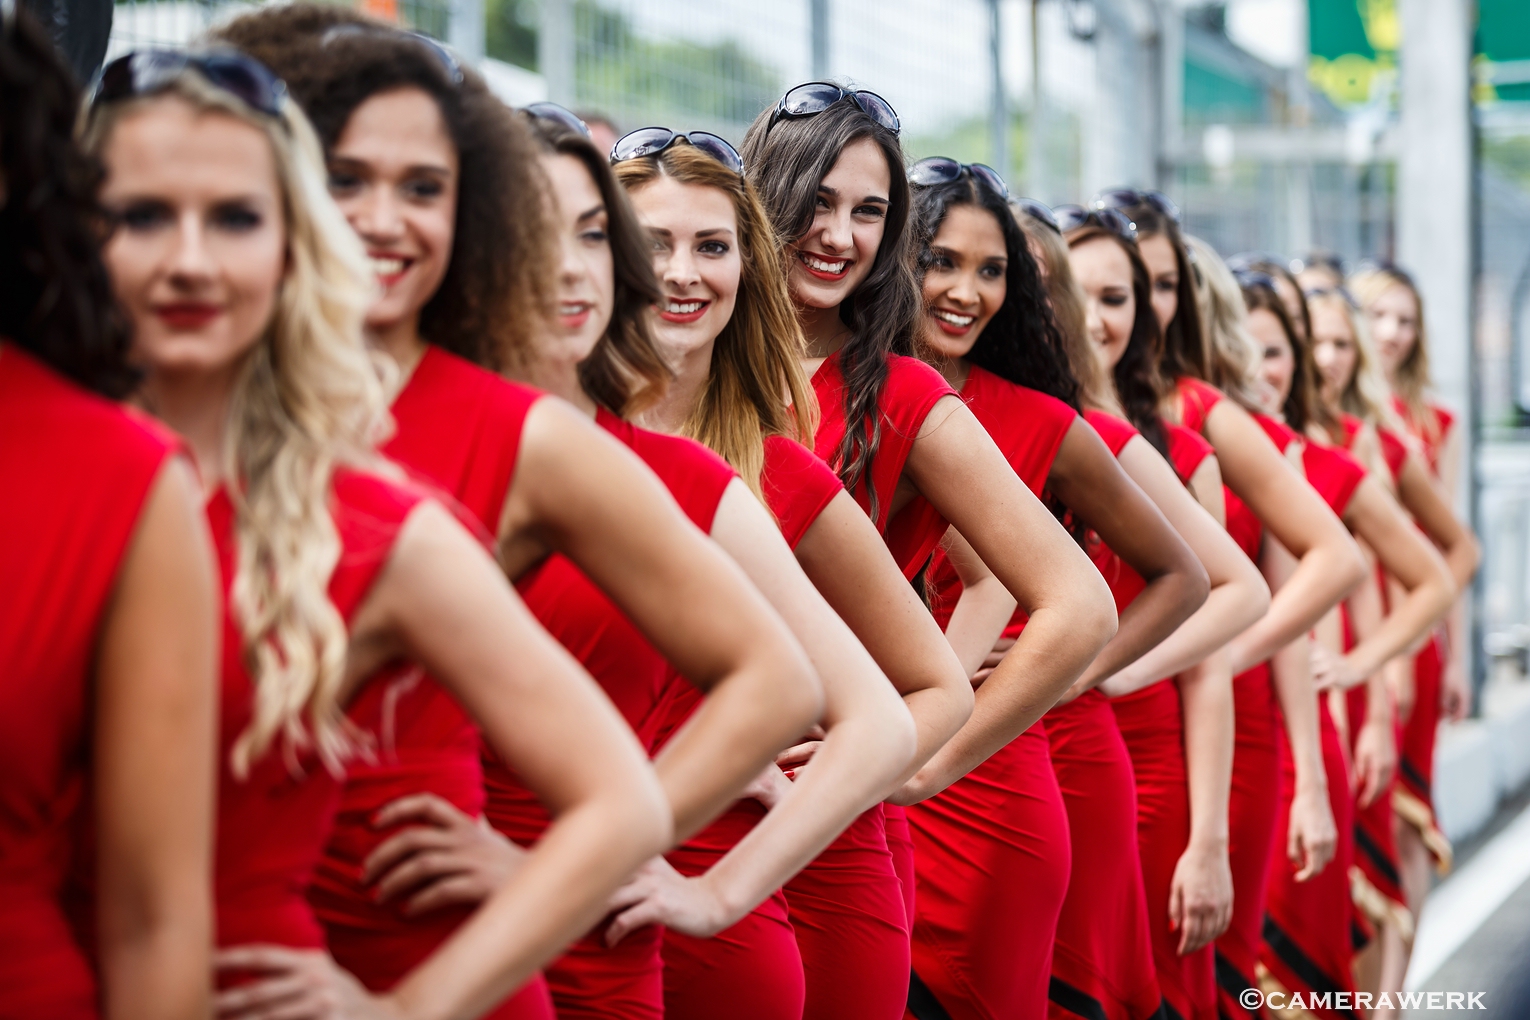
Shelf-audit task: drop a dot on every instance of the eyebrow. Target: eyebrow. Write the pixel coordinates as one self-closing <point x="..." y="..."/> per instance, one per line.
<point x="592" y="212"/>
<point x="435" y="169"/>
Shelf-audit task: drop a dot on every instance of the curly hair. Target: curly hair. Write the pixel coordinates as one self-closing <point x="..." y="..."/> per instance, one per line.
<point x="55" y="296"/>
<point x="1140" y="384"/>
<point x="1022" y="342"/>
<point x="787" y="163"/>
<point x="497" y="290"/>
<point x="625" y="373"/>
<point x="756" y="385"/>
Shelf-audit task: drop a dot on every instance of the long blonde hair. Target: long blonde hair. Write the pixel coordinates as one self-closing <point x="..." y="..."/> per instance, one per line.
<point x="1068" y="303"/>
<point x="756" y="386"/>
<point x="1224" y="324"/>
<point x="310" y="398"/>
<point x="1365" y="394"/>
<point x="1411" y="381"/>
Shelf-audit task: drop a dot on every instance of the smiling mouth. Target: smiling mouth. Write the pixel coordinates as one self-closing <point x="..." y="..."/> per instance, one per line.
<point x="953" y="322"/>
<point x="389" y="268"/>
<point x="683" y="311"/>
<point x="823" y="267"/>
<point x="573" y="313"/>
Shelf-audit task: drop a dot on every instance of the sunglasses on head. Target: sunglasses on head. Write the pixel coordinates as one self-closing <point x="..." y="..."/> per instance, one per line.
<point x="650" y="141"/>
<point x="445" y="57"/>
<point x="1249" y="278"/>
<point x="943" y="170"/>
<point x="814" y="97"/>
<point x="559" y="115"/>
<point x="145" y="72"/>
<point x="1131" y="198"/>
<point x="1038" y="211"/>
<point x="1073" y="217"/>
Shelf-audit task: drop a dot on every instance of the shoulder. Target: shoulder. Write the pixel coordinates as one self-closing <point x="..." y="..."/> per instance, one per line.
<point x="1196" y="399"/>
<point x="1444" y="418"/>
<point x="1115" y="431"/>
<point x="797" y="486"/>
<point x="362" y="495"/>
<point x="1333" y="473"/>
<point x="694" y="475"/>
<point x="912" y="376"/>
<point x="1279" y="433"/>
<point x="1188" y="450"/>
<point x="447" y="377"/>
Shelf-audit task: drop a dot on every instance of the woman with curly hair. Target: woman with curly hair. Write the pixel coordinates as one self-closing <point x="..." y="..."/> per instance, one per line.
<point x="108" y="621"/>
<point x="443" y="185"/>
<point x="247" y="294"/>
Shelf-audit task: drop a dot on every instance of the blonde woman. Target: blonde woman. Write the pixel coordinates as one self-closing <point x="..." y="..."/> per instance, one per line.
<point x="246" y="293"/>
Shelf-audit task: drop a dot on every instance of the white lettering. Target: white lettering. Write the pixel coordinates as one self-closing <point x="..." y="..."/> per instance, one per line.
<point x="1433" y="999"/>
<point x="1363" y="1000"/>
<point x="1474" y="1000"/>
<point x="1455" y="1000"/>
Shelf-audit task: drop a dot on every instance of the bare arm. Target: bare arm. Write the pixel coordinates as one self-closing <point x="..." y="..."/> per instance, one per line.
<point x="1375" y="741"/>
<point x="156" y="712"/>
<point x="1200" y="897"/>
<point x="1239" y="595"/>
<point x="982" y="611"/>
<point x="1329" y="564"/>
<point x="580" y="491"/>
<point x="848" y="563"/>
<point x="1093" y="485"/>
<point x="956" y="466"/>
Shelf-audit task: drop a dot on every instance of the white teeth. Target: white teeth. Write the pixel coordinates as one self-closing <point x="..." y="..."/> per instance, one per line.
<point x="954" y="319"/>
<point x="682" y="307"/>
<point x="822" y="266"/>
<point x="571" y="307"/>
<point x="387" y="266"/>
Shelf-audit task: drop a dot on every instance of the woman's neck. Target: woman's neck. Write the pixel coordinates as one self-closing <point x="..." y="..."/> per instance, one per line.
<point x="196" y="407"/>
<point x="402" y="342"/>
<point x="954" y="370"/>
<point x="558" y="376"/>
<point x="691" y="370"/>
<point x="823" y="329"/>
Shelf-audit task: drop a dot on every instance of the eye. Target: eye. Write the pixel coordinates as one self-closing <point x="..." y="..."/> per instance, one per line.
<point x="992" y="272"/>
<point x="593" y="235"/>
<point x="941" y="261"/>
<point x="343" y="182"/>
<point x="236" y="217"/>
<point x="1113" y="300"/>
<point x="1167" y="283"/>
<point x="870" y="212"/>
<point x="144" y="215"/>
<point x="423" y="189"/>
<point x="717" y="248"/>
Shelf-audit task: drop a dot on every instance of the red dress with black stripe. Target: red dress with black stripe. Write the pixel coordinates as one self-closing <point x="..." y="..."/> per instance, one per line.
<point x="1413" y="796"/>
<point x="1254" y="804"/>
<point x="991" y="851"/>
<point x="856" y="956"/>
<point x="77" y="471"/>
<point x="458" y="435"/>
<point x="1307" y="928"/>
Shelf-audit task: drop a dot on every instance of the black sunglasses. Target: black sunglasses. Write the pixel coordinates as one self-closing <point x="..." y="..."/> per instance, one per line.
<point x="145" y="72"/>
<point x="943" y="170"/>
<point x="559" y="115"/>
<point x="650" y="141"/>
<point x="814" y="97"/>
<point x="1038" y="211"/>
<point x="1131" y="198"/>
<point x="445" y="57"/>
<point x="1250" y="278"/>
<point x="1072" y="217"/>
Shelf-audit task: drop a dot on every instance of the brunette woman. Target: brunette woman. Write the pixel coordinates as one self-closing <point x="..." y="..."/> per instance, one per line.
<point x="1262" y="492"/>
<point x="830" y="171"/>
<point x="1310" y="922"/>
<point x="1351" y="389"/>
<point x="412" y="148"/>
<point x="108" y="611"/>
<point x="246" y="292"/>
<point x="725" y="323"/>
<point x="982" y="296"/>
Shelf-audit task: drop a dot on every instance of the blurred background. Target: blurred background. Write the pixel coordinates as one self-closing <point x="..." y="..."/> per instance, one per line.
<point x="1395" y="129"/>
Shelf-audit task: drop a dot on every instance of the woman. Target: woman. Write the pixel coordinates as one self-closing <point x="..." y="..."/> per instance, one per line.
<point x="1263" y="493"/>
<point x="1178" y="733"/>
<point x="410" y="150"/>
<point x="1354" y="396"/>
<point x="725" y="324"/>
<point x="108" y="618"/>
<point x="1310" y="922"/>
<point x="246" y="293"/>
<point x="984" y="302"/>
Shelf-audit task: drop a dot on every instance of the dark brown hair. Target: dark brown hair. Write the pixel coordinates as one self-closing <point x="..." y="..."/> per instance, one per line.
<point x="625" y="372"/>
<point x="56" y="299"/>
<point x="497" y="289"/>
<point x="787" y="162"/>
<point x="1302" y="407"/>
<point x="1185" y="350"/>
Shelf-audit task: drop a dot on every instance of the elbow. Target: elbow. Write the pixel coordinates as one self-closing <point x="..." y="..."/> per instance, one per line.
<point x="797" y="696"/>
<point x="1196" y="588"/>
<point x="1259" y="598"/>
<point x="1355" y="569"/>
<point x="1094" y="617"/>
<point x="652" y="821"/>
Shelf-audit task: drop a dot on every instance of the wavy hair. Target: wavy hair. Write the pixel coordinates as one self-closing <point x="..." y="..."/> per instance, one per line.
<point x="497" y="291"/>
<point x="1303" y="407"/>
<point x="55" y="296"/>
<point x="309" y="398"/>
<point x="1234" y="356"/>
<point x="1412" y="380"/>
<point x="1022" y="342"/>
<point x="1139" y="383"/>
<point x="787" y="163"/>
<point x="1186" y="351"/>
<point x="1365" y="392"/>
<point x="625" y="373"/>
<point x="756" y="386"/>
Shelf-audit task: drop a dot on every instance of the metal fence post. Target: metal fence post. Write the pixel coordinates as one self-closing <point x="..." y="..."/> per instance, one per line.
<point x="464" y="29"/>
<point x="556" y="50"/>
<point x="998" y="113"/>
<point x="818" y="28"/>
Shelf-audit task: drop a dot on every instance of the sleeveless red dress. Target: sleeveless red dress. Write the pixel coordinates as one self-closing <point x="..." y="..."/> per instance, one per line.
<point x="1413" y="797"/>
<point x="1254" y="804"/>
<point x="458" y="436"/>
<point x="850" y="906"/>
<point x="78" y="470"/>
<point x="754" y="969"/>
<point x="273" y="824"/>
<point x="991" y="851"/>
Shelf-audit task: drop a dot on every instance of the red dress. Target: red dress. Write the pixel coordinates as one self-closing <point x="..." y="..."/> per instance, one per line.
<point x="458" y="435"/>
<point x="1307" y="926"/>
<point x="991" y="851"/>
<point x="273" y="824"/>
<point x="1413" y="796"/>
<point x="78" y="470"/>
